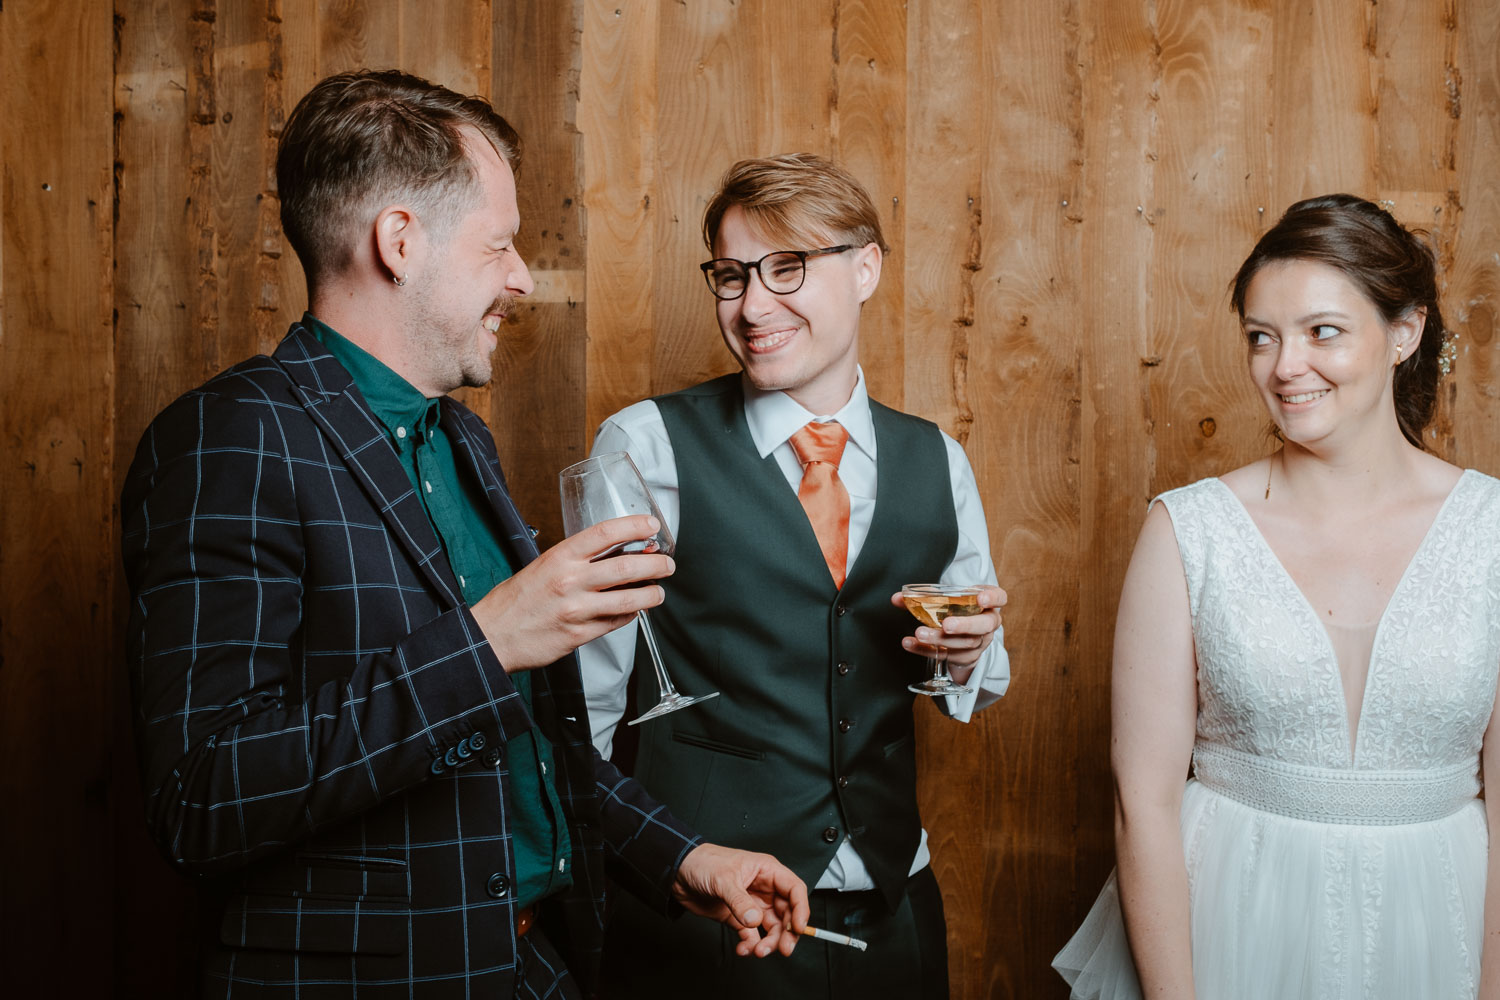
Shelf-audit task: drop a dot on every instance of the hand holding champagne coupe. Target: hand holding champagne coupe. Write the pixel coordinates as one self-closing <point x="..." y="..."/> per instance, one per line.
<point x="609" y="486"/>
<point x="931" y="603"/>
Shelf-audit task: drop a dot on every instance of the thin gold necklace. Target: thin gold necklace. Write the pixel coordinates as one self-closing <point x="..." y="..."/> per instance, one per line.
<point x="1270" y="464"/>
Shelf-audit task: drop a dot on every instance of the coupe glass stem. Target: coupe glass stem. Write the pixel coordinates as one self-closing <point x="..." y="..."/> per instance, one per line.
<point x="662" y="680"/>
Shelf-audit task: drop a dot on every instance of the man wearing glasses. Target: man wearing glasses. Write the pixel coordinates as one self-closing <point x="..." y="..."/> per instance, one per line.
<point x="800" y="507"/>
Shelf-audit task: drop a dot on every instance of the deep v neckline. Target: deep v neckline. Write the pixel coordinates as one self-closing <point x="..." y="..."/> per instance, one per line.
<point x="1350" y="734"/>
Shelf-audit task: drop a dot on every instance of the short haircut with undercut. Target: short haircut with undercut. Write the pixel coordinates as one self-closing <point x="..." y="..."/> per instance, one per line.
<point x="358" y="142"/>
<point x="796" y="198"/>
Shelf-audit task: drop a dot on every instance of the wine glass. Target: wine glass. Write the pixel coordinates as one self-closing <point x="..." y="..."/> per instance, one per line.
<point x="609" y="486"/>
<point x="931" y="603"/>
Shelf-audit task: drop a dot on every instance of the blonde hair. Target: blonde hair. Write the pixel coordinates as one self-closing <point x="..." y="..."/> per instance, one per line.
<point x="796" y="198"/>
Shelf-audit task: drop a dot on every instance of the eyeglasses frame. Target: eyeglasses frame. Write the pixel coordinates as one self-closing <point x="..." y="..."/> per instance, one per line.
<point x="754" y="265"/>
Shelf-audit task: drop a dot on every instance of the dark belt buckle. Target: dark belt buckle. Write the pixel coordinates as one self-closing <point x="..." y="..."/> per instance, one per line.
<point x="524" y="918"/>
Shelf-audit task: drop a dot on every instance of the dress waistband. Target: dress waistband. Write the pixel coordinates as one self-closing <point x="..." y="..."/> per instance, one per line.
<point x="1335" y="795"/>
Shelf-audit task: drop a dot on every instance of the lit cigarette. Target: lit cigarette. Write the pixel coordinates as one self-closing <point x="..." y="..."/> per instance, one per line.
<point x="833" y="938"/>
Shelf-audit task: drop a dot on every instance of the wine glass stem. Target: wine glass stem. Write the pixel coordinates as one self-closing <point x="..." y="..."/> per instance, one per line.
<point x="939" y="668"/>
<point x="662" y="680"/>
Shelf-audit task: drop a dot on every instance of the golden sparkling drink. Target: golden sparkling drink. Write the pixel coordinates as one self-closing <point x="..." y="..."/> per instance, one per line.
<point x="931" y="609"/>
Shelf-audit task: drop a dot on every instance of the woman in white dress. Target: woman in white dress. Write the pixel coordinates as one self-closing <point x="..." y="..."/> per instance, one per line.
<point x="1317" y="635"/>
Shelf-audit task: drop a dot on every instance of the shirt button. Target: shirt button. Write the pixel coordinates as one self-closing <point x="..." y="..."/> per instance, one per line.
<point x="844" y="668"/>
<point x="831" y="834"/>
<point x="401" y="432"/>
<point x="845" y="725"/>
<point x="497" y="886"/>
<point x="428" y="485"/>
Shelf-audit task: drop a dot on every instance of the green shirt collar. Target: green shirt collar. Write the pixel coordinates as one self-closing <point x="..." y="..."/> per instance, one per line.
<point x="407" y="414"/>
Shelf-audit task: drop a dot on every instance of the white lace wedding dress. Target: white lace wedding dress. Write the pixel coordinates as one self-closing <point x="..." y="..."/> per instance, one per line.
<point x="1317" y="869"/>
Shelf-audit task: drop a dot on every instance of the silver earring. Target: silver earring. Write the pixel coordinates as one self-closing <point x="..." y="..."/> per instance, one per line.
<point x="400" y="282"/>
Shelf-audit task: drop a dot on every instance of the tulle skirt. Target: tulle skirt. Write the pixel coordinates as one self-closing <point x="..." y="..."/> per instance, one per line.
<point x="1285" y="908"/>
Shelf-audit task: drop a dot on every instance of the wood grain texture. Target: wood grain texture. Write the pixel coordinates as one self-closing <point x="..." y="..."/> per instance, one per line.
<point x="1067" y="186"/>
<point x="56" y="567"/>
<point x="538" y="398"/>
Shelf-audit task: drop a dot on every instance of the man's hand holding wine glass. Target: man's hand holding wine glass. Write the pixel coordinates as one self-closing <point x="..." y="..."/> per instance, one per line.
<point x="564" y="598"/>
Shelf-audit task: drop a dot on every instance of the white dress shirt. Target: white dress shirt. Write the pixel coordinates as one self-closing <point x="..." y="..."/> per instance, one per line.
<point x="773" y="417"/>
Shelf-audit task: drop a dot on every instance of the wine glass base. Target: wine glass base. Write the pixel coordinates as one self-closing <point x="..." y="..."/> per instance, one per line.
<point x="938" y="686"/>
<point x="671" y="703"/>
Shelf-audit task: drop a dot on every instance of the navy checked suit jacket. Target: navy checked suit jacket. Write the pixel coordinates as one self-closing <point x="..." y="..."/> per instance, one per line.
<point x="322" y="725"/>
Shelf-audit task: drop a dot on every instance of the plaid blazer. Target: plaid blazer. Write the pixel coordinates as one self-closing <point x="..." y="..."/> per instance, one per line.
<point x="322" y="725"/>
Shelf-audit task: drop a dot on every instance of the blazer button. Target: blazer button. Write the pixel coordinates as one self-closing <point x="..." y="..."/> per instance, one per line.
<point x="477" y="741"/>
<point x="497" y="886"/>
<point x="844" y="669"/>
<point x="451" y="757"/>
<point x="845" y="725"/>
<point x="464" y="753"/>
<point x="492" y="757"/>
<point x="831" y="834"/>
<point x="437" y="766"/>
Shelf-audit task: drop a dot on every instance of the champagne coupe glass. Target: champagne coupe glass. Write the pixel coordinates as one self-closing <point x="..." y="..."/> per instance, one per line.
<point x="931" y="603"/>
<point x="609" y="486"/>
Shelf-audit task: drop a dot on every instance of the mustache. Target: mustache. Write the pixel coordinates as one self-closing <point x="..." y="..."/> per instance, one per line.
<point x="502" y="305"/>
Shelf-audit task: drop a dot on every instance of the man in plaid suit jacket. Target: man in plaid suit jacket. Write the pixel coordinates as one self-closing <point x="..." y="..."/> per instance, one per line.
<point x="326" y="723"/>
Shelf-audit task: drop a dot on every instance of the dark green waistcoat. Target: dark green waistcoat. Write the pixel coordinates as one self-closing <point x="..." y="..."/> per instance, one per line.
<point x="811" y="737"/>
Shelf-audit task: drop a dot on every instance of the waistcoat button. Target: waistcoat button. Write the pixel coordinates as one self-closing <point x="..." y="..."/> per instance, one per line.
<point x="843" y="781"/>
<point x="831" y="834"/>
<point x="845" y="725"/>
<point x="844" y="668"/>
<point x="841" y="610"/>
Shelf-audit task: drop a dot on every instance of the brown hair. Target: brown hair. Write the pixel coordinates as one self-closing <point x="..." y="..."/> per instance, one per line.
<point x="1392" y="266"/>
<point x="796" y="198"/>
<point x="360" y="141"/>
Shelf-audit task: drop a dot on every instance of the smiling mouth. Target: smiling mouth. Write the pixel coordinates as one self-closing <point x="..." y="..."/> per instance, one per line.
<point x="770" y="340"/>
<point x="492" y="323"/>
<point x="1302" y="397"/>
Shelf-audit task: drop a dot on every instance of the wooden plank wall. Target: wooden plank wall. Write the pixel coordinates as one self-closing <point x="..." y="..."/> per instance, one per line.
<point x="1067" y="185"/>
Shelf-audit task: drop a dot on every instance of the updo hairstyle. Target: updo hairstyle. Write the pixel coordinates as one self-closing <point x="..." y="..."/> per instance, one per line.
<point x="1393" y="267"/>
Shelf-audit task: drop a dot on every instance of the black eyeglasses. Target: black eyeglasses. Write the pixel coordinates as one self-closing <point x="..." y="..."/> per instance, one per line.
<point x="782" y="272"/>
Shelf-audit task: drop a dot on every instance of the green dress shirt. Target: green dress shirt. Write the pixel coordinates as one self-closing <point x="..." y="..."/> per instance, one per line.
<point x="456" y="506"/>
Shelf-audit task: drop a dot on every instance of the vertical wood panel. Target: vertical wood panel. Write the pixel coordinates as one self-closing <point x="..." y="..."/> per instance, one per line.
<point x="538" y="398"/>
<point x="869" y="116"/>
<point x="167" y="339"/>
<point x="56" y="570"/>
<point x="1472" y="296"/>
<point x="1205" y="215"/>
<point x="618" y="122"/>
<point x="1025" y="447"/>
<point x="1323" y="119"/>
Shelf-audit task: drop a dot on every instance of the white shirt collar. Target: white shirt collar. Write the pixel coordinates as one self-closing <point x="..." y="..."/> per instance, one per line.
<point x="774" y="417"/>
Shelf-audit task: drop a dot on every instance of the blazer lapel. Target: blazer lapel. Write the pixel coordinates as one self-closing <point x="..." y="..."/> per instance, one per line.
<point x="357" y="437"/>
<point x="474" y="446"/>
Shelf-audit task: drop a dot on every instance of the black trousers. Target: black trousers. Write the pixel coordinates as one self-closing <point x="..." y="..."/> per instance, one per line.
<point x="649" y="956"/>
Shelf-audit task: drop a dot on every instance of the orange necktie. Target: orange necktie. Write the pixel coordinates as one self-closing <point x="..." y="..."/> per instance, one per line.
<point x="820" y="448"/>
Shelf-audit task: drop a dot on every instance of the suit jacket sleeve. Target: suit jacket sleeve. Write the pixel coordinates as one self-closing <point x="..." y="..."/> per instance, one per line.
<point x="243" y="749"/>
